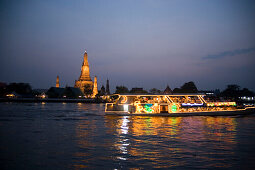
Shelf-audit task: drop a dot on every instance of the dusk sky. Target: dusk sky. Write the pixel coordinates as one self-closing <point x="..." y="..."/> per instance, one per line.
<point x="148" y="43"/>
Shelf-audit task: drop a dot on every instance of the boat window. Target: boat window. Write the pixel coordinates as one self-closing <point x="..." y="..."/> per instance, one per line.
<point x="185" y="99"/>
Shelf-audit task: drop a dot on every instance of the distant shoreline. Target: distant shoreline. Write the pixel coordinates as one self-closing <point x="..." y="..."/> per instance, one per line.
<point x="50" y="100"/>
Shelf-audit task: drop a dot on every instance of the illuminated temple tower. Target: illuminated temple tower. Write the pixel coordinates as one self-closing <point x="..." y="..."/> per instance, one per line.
<point x="57" y="82"/>
<point x="84" y="79"/>
<point x="95" y="91"/>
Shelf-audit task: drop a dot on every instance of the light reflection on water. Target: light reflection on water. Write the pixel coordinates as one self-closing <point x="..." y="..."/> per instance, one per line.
<point x="169" y="141"/>
<point x="81" y="136"/>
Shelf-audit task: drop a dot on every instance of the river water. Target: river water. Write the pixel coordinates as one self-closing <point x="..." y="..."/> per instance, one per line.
<point x="81" y="136"/>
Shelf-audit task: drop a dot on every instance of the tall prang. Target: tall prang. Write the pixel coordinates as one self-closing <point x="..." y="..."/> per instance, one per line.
<point x="95" y="90"/>
<point x="84" y="83"/>
<point x="85" y="75"/>
<point x="57" y="82"/>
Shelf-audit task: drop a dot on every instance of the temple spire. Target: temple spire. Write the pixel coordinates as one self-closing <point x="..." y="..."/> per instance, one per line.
<point x="57" y="82"/>
<point x="107" y="87"/>
<point x="85" y="60"/>
<point x="85" y="75"/>
<point x="168" y="90"/>
<point x="84" y="82"/>
<point x="95" y="90"/>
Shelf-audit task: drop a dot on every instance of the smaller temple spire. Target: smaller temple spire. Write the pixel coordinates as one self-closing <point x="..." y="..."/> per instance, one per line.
<point x="107" y="87"/>
<point x="95" y="90"/>
<point x="168" y="90"/>
<point x="57" y="82"/>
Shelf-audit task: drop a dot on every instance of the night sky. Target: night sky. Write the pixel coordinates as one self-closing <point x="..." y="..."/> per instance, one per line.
<point x="133" y="43"/>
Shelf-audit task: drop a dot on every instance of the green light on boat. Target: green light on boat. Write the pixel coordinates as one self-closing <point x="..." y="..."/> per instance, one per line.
<point x="174" y="108"/>
<point x="148" y="107"/>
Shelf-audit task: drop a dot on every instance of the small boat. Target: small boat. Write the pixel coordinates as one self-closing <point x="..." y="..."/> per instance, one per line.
<point x="172" y="105"/>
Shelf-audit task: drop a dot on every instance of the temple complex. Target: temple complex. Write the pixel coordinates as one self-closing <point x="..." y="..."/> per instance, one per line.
<point x="84" y="82"/>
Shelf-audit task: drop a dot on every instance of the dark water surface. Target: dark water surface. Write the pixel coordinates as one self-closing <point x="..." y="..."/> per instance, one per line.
<point x="80" y="136"/>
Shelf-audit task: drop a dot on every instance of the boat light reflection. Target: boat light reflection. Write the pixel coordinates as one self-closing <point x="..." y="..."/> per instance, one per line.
<point x="124" y="126"/>
<point x="123" y="142"/>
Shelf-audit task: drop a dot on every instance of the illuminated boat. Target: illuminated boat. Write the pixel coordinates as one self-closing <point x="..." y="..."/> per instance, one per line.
<point x="170" y="105"/>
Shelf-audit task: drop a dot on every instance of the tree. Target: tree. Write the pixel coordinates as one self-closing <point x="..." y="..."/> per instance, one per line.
<point x="121" y="89"/>
<point x="177" y="90"/>
<point x="88" y="90"/>
<point x="20" y="88"/>
<point x="232" y="91"/>
<point x="233" y="87"/>
<point x="3" y="87"/>
<point x="138" y="90"/>
<point x="246" y="92"/>
<point x="154" y="91"/>
<point x="102" y="91"/>
<point x="189" y="87"/>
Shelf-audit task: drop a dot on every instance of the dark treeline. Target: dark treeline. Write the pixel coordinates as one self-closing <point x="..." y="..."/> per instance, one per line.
<point x="188" y="87"/>
<point x="232" y="91"/>
<point x="22" y="89"/>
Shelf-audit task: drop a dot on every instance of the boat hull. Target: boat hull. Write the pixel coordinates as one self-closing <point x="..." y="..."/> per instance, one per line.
<point x="239" y="112"/>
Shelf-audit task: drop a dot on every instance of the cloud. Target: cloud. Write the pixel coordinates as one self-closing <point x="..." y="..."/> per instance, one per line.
<point x="229" y="53"/>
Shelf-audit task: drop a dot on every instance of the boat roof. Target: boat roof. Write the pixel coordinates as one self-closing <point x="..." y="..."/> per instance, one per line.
<point x="174" y="94"/>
